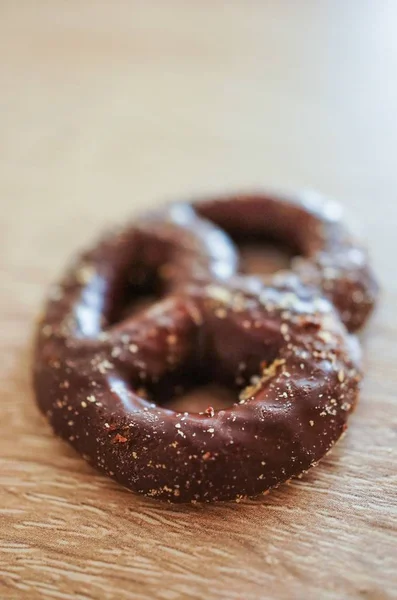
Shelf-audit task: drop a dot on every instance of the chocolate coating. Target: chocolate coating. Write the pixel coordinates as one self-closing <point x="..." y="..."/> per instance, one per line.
<point x="280" y="344"/>
<point x="330" y="258"/>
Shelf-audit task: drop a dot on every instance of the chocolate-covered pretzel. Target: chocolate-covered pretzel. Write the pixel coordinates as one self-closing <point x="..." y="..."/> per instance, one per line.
<point x="280" y="344"/>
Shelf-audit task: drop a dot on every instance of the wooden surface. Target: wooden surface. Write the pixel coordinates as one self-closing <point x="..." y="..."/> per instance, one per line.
<point x="109" y="107"/>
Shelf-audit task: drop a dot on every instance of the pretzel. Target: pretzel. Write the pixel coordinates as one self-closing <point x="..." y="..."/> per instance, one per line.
<point x="280" y="344"/>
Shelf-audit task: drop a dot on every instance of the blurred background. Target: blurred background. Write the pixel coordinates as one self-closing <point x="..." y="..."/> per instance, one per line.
<point x="109" y="107"/>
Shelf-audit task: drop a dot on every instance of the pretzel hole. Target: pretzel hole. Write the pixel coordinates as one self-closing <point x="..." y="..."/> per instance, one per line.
<point x="264" y="256"/>
<point x="202" y="398"/>
<point x="204" y="384"/>
<point x="139" y="290"/>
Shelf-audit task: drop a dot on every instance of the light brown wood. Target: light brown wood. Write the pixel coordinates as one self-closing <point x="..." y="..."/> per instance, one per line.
<point x="107" y="108"/>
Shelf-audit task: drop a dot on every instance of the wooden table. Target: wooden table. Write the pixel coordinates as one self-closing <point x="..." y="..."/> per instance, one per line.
<point x="107" y="108"/>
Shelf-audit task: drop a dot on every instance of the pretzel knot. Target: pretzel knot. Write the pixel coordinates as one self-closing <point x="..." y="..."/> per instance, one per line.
<point x="102" y="375"/>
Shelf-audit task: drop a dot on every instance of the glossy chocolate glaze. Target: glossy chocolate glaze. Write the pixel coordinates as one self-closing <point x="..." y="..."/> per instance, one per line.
<point x="280" y="344"/>
<point x="330" y="259"/>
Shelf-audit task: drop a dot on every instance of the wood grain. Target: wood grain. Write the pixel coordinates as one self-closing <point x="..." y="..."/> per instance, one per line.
<point x="108" y="108"/>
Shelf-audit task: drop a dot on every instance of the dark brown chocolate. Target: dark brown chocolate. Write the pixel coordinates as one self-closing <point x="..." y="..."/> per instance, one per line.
<point x="330" y="259"/>
<point x="280" y="344"/>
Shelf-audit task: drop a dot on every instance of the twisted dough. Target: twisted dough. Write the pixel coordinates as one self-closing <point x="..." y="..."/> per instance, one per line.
<point x="279" y="343"/>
